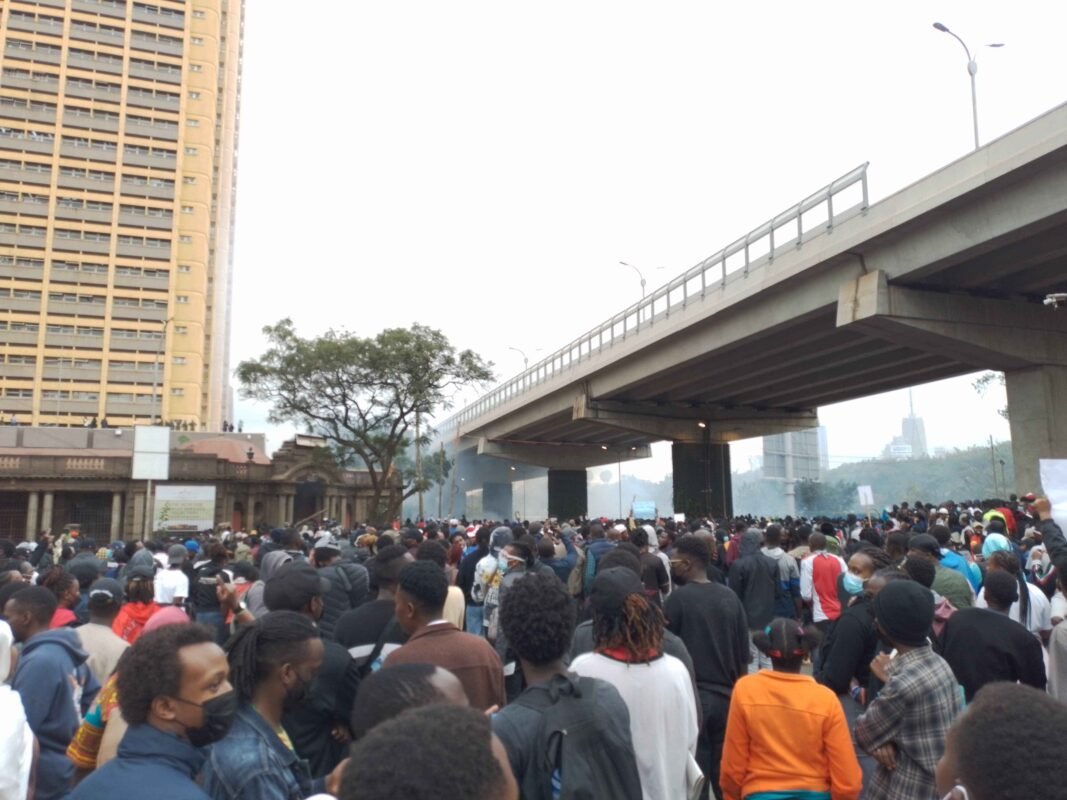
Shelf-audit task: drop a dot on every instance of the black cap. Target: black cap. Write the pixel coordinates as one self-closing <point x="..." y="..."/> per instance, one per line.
<point x="611" y="587"/>
<point x="925" y="543"/>
<point x="106" y="588"/>
<point x="140" y="572"/>
<point x="292" y="587"/>
<point x="905" y="610"/>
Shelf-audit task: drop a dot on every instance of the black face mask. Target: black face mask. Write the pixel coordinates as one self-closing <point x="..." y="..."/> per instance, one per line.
<point x="218" y="717"/>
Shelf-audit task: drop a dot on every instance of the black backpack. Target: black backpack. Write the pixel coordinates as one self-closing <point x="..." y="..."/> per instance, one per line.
<point x="594" y="762"/>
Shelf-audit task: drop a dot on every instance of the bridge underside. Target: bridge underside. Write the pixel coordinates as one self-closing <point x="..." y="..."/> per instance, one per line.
<point x="938" y="284"/>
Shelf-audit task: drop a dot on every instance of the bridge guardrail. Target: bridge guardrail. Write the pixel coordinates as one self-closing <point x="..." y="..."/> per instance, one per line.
<point x="758" y="247"/>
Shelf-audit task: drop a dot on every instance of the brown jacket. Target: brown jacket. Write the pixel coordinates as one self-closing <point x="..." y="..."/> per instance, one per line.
<point x="471" y="658"/>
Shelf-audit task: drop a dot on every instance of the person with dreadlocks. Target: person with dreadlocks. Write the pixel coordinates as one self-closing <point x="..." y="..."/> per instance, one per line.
<point x="786" y="736"/>
<point x="628" y="654"/>
<point x="272" y="661"/>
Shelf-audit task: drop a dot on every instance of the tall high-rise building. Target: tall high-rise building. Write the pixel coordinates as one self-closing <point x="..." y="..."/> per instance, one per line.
<point x="118" y="162"/>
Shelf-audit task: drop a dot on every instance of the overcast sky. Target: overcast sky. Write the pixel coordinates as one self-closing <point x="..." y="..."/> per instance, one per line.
<point x="482" y="167"/>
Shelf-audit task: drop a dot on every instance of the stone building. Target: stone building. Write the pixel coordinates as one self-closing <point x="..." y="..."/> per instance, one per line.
<point x="53" y="477"/>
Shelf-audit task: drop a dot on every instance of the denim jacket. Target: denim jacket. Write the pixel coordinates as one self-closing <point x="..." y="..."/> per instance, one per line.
<point x="252" y="763"/>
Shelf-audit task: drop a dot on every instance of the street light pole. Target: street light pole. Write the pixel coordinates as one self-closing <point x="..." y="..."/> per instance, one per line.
<point x="525" y="360"/>
<point x="972" y="70"/>
<point x="639" y="275"/>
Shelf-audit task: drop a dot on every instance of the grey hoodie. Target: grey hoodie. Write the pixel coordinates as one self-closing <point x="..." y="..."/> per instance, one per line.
<point x="270" y="564"/>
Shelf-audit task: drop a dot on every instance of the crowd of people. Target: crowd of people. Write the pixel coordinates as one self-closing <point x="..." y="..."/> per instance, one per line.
<point x="919" y="655"/>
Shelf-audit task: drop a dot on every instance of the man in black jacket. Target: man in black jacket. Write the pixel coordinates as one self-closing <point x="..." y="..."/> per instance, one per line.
<point x="754" y="577"/>
<point x="465" y="580"/>
<point x="349" y="582"/>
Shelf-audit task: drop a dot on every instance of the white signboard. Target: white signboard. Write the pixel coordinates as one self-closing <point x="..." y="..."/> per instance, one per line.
<point x="184" y="508"/>
<point x="151" y="453"/>
<point x="866" y="496"/>
<point x="1054" y="486"/>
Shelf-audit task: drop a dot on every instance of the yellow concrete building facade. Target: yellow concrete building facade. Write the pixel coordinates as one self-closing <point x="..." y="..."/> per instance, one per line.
<point x="118" y="152"/>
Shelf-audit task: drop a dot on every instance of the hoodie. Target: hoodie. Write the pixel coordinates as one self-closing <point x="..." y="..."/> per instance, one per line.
<point x="270" y="564"/>
<point x="57" y="688"/>
<point x="754" y="578"/>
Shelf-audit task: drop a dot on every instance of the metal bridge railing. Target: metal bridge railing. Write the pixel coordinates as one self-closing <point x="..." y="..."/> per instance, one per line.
<point x="811" y="217"/>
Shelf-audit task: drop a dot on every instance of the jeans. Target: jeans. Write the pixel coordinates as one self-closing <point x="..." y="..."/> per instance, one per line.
<point x="716" y="708"/>
<point x="757" y="660"/>
<point x="476" y="620"/>
<point x="215" y="621"/>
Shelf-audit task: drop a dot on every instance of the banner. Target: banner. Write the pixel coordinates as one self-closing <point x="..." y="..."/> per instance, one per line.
<point x="643" y="509"/>
<point x="1054" y="484"/>
<point x="184" y="508"/>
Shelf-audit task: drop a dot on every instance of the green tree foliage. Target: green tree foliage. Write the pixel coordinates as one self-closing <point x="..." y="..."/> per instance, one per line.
<point x="362" y="394"/>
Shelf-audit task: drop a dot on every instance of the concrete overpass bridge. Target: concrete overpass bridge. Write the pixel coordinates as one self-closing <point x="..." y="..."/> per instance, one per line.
<point x="831" y="300"/>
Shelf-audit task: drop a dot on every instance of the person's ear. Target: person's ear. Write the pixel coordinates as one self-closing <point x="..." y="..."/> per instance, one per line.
<point x="164" y="707"/>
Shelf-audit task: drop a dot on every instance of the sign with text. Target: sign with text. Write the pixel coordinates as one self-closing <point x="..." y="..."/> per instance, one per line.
<point x="866" y="496"/>
<point x="184" y="508"/>
<point x="1054" y="486"/>
<point x="643" y="509"/>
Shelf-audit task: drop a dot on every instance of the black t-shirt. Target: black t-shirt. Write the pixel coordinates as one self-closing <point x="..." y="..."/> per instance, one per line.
<point x="202" y="588"/>
<point x="360" y="630"/>
<point x="711" y="621"/>
<point x="983" y="646"/>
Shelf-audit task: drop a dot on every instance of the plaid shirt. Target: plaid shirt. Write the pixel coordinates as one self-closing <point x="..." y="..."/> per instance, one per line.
<point x="914" y="711"/>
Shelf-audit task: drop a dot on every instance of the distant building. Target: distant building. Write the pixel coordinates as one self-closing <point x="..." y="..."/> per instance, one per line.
<point x="799" y="455"/>
<point x="912" y="440"/>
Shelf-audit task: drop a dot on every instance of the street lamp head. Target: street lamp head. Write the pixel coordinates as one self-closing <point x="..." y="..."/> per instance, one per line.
<point x="995" y="44"/>
<point x="942" y="28"/>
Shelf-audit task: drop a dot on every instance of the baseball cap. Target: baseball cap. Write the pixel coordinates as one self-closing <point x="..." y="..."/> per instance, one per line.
<point x="192" y="545"/>
<point x="327" y="542"/>
<point x="612" y="586"/>
<point x="106" y="587"/>
<point x="140" y="572"/>
<point x="176" y="554"/>
<point x="292" y="587"/>
<point x="925" y="543"/>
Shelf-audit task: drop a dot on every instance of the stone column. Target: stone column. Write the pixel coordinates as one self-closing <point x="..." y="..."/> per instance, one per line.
<point x="1038" y="421"/>
<point x="116" y="516"/>
<point x="567" y="494"/>
<point x="46" y="511"/>
<point x="31" y="516"/>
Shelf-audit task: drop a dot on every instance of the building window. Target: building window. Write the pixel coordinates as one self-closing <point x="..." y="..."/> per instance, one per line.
<point x="185" y="239"/>
<point x="179" y="360"/>
<point x="189" y="180"/>
<point x="187" y="209"/>
<point x="181" y="329"/>
<point x="182" y="298"/>
<point x="177" y="391"/>
<point x="196" y="67"/>
<point x="198" y="14"/>
<point x="191" y="151"/>
<point x="184" y="268"/>
<point x="194" y="95"/>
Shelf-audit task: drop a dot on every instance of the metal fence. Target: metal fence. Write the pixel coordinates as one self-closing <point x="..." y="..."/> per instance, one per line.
<point x="788" y="231"/>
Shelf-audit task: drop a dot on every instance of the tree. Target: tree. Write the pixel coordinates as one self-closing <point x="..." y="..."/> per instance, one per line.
<point x="985" y="382"/>
<point x="362" y="394"/>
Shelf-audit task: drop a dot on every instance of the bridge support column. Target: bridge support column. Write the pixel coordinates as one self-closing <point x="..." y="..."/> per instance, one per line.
<point x="496" y="500"/>
<point x="567" y="495"/>
<point x="1038" y="420"/>
<point x="702" y="484"/>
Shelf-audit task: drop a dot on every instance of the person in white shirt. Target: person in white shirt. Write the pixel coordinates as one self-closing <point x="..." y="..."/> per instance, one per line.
<point x="657" y="689"/>
<point x="1036" y="614"/>
<point x="16" y="738"/>
<point x="172" y="585"/>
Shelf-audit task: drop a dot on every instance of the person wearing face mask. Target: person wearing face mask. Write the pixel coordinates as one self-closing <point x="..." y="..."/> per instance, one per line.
<point x="318" y="726"/>
<point x="174" y="692"/>
<point x="271" y="663"/>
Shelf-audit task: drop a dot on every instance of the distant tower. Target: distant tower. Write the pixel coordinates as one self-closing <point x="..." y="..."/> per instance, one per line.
<point x="914" y="431"/>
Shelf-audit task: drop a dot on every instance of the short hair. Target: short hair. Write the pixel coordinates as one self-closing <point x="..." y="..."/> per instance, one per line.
<point x="246" y="570"/>
<point x="432" y="550"/>
<point x="151" y="667"/>
<point x="388" y="563"/>
<point x="256" y="650"/>
<point x="384" y="694"/>
<point x="694" y="547"/>
<point x="546" y="549"/>
<point x="618" y="557"/>
<point x="772" y="537"/>
<point x="426" y="584"/>
<point x="1004" y="560"/>
<point x="39" y="601"/>
<point x="817" y="541"/>
<point x="1001" y="587"/>
<point x="942" y="534"/>
<point x="639" y="538"/>
<point x="58" y="581"/>
<point x="986" y="758"/>
<point x="537" y="616"/>
<point x="921" y="569"/>
<point x="897" y="542"/>
<point x="403" y="757"/>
